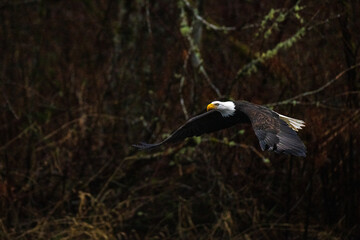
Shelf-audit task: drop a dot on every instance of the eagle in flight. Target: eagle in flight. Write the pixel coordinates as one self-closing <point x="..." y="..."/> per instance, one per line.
<point x="275" y="132"/>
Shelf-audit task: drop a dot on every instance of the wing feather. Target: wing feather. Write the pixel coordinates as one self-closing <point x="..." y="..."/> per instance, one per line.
<point x="273" y="132"/>
<point x="207" y="122"/>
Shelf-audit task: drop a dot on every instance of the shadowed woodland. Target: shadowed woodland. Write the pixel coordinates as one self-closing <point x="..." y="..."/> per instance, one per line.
<point x="81" y="81"/>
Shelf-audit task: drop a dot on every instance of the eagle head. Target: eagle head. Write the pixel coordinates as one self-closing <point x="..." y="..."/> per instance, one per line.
<point x="225" y="108"/>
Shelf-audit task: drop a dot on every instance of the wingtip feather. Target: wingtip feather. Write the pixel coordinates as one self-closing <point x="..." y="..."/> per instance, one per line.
<point x="145" y="146"/>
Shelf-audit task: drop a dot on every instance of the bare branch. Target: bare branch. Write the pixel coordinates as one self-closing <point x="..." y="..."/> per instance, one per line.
<point x="206" y="23"/>
<point x="194" y="50"/>
<point x="182" y="102"/>
<point x="293" y="99"/>
<point x="9" y="105"/>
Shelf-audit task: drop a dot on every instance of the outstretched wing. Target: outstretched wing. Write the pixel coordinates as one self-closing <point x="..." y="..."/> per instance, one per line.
<point x="207" y="122"/>
<point x="273" y="132"/>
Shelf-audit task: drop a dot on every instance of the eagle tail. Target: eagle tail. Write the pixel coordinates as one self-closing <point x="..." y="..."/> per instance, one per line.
<point x="295" y="124"/>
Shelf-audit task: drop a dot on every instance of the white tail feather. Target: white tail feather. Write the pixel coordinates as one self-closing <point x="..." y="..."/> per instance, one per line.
<point x="295" y="124"/>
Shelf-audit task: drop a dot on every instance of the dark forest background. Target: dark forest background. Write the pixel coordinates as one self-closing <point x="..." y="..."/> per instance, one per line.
<point x="83" y="80"/>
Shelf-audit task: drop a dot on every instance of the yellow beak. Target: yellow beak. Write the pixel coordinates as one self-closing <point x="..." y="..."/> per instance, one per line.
<point x="210" y="106"/>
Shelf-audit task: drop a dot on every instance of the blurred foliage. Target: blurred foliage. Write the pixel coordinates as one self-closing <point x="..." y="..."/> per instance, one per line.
<point x="83" y="80"/>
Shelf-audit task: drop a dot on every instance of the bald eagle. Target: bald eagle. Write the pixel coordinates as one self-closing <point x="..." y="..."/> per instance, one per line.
<point x="275" y="132"/>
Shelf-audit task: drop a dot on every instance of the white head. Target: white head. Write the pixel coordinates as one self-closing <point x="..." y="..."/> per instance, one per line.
<point x="225" y="108"/>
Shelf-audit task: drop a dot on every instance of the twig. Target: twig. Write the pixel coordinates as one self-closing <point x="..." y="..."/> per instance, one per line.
<point x="262" y="57"/>
<point x="212" y="85"/>
<point x="3" y="228"/>
<point x="336" y="130"/>
<point x="17" y="137"/>
<point x="182" y="102"/>
<point x="65" y="125"/>
<point x="292" y="100"/>
<point x="9" y="105"/>
<point x="148" y="22"/>
<point x="134" y="158"/>
<point x="194" y="50"/>
<point x="206" y="23"/>
<point x="17" y="3"/>
<point x="241" y="145"/>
